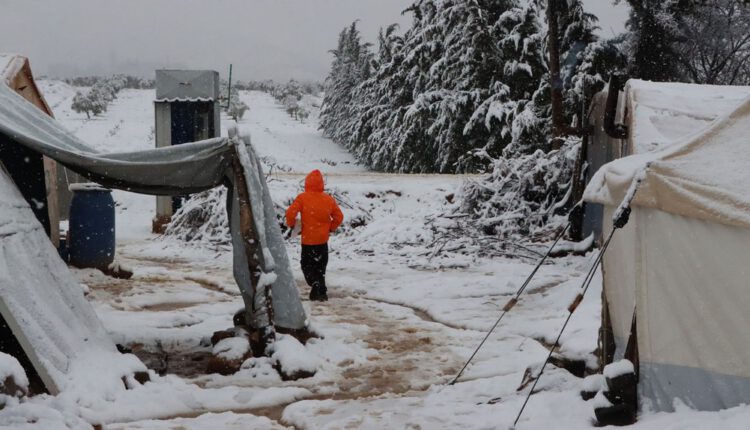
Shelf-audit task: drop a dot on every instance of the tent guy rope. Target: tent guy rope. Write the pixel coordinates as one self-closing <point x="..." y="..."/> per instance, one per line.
<point x="512" y="302"/>
<point x="620" y="221"/>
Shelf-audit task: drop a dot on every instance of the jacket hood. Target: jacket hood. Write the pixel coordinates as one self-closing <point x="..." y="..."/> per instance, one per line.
<point x="314" y="181"/>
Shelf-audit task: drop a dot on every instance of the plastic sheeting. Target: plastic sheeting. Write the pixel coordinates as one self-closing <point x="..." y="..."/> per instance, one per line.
<point x="176" y="170"/>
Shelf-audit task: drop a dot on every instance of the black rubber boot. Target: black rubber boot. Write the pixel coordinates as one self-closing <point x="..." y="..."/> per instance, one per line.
<point x="314" y="294"/>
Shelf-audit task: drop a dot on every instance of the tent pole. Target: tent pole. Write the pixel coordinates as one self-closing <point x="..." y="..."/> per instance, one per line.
<point x="229" y="88"/>
<point x="251" y="241"/>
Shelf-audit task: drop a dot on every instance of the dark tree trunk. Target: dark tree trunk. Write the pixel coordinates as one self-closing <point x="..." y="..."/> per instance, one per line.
<point x="555" y="81"/>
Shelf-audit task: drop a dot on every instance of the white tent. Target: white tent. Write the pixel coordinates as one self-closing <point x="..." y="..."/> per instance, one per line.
<point x="680" y="268"/>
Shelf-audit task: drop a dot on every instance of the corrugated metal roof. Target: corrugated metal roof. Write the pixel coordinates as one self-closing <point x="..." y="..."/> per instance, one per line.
<point x="187" y="85"/>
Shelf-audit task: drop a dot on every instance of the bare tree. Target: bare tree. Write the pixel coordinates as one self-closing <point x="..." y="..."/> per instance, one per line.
<point x="715" y="47"/>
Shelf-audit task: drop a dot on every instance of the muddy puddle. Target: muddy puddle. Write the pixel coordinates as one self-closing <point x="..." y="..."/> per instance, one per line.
<point x="185" y="364"/>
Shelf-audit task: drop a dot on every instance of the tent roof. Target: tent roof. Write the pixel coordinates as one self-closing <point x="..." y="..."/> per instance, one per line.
<point x="705" y="176"/>
<point x="665" y="113"/>
<point x="187" y="85"/>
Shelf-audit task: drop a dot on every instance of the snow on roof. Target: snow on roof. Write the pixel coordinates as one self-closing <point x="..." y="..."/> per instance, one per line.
<point x="185" y="99"/>
<point x="10" y="65"/>
<point x="704" y="175"/>
<point x="665" y="113"/>
<point x="187" y="85"/>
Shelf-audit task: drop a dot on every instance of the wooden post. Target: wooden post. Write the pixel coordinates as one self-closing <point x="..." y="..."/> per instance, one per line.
<point x="229" y="88"/>
<point x="251" y="244"/>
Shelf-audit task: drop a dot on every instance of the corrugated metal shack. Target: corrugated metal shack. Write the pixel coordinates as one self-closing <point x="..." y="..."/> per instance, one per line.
<point x="186" y="110"/>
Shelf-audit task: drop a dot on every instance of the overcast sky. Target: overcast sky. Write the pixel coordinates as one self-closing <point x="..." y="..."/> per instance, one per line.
<point x="276" y="39"/>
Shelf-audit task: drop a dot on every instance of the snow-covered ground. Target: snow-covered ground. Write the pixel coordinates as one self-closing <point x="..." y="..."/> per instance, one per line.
<point x="399" y="325"/>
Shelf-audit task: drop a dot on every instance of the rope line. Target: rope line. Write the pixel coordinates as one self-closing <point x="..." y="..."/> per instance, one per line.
<point x="584" y="286"/>
<point x="508" y="306"/>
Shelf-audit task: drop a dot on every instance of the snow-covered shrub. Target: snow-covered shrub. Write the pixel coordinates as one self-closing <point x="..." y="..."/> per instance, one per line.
<point x="98" y="98"/>
<point x="123" y="81"/>
<point x="526" y="196"/>
<point x="237" y="109"/>
<point x="290" y="95"/>
<point x="202" y="219"/>
<point x="88" y="103"/>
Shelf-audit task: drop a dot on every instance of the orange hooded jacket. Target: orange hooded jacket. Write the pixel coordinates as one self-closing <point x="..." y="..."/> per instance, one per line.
<point x="320" y="213"/>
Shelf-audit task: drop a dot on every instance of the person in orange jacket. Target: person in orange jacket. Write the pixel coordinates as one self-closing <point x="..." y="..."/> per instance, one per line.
<point x="320" y="216"/>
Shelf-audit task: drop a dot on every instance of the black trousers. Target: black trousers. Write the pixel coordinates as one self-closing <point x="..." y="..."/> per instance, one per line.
<point x="314" y="262"/>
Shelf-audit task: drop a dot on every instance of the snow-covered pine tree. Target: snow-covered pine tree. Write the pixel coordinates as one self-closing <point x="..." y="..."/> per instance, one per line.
<point x="517" y="110"/>
<point x="653" y="35"/>
<point x="577" y="32"/>
<point x="350" y="67"/>
<point x="527" y="193"/>
<point x="374" y="102"/>
<point x="463" y="80"/>
<point x="412" y="114"/>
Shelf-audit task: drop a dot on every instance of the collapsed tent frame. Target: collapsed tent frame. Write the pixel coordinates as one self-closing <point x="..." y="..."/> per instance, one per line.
<point x="261" y="265"/>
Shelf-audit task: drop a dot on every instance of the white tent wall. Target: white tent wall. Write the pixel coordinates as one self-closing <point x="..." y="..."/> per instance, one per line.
<point x="620" y="266"/>
<point x="688" y="279"/>
<point x="693" y="311"/>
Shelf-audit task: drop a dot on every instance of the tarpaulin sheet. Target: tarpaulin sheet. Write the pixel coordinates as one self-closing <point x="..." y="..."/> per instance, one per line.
<point x="176" y="170"/>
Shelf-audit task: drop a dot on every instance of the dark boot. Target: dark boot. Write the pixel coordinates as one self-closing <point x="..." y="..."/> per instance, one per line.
<point x="314" y="293"/>
<point x="323" y="294"/>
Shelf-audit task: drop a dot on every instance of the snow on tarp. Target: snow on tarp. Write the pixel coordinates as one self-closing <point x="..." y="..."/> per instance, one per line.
<point x="45" y="308"/>
<point x="704" y="177"/>
<point x="664" y="113"/>
<point x="177" y="170"/>
<point x="174" y="170"/>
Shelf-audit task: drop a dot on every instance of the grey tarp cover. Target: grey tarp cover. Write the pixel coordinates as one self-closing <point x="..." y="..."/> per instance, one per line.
<point x="175" y="170"/>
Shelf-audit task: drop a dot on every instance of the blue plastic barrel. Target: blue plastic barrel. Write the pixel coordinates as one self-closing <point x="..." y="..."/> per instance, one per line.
<point x="91" y="234"/>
